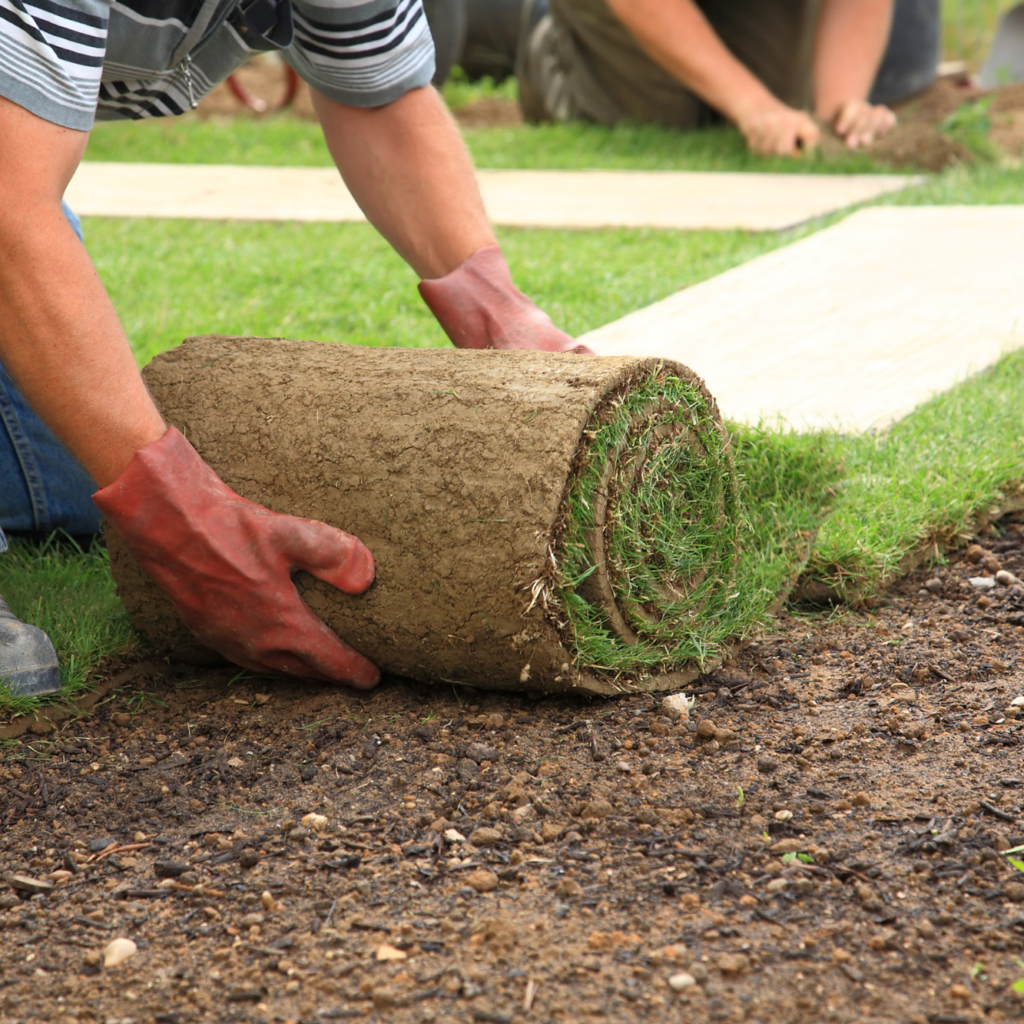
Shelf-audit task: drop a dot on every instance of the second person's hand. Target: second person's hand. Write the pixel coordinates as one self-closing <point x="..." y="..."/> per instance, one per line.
<point x="771" y="128"/>
<point x="859" y="123"/>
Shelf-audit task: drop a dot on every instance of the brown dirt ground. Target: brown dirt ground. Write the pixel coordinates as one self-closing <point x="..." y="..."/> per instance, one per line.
<point x="915" y="142"/>
<point x="607" y="851"/>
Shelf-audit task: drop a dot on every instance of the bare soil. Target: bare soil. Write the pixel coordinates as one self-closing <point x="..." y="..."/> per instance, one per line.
<point x="917" y="141"/>
<point x="612" y="849"/>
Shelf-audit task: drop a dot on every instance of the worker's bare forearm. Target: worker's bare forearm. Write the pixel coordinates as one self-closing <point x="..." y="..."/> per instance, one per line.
<point x="407" y="167"/>
<point x="849" y="45"/>
<point x="677" y="36"/>
<point x="60" y="339"/>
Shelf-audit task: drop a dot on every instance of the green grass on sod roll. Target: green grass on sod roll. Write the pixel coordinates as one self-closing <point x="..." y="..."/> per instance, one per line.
<point x="672" y="539"/>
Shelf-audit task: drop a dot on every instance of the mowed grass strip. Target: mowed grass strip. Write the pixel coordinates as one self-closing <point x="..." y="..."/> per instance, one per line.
<point x="170" y="279"/>
<point x="285" y="141"/>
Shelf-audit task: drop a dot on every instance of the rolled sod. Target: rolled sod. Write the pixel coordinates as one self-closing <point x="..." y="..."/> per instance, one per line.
<point x="539" y="521"/>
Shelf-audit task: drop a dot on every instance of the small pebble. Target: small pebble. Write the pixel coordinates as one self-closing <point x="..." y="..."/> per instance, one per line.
<point x="596" y="809"/>
<point x="315" y="822"/>
<point x="248" y="857"/>
<point x="1007" y="579"/>
<point x="975" y="553"/>
<point x="568" y="887"/>
<point x="732" y="963"/>
<point x="482" y="880"/>
<point x="677" y="704"/>
<point x="767" y="765"/>
<point x="117" y="951"/>
<point x="169" y="868"/>
<point x="485" y="836"/>
<point x="681" y="981"/>
<point x="934" y="585"/>
<point x="391" y="954"/>
<point x="268" y="901"/>
<point x="982" y="582"/>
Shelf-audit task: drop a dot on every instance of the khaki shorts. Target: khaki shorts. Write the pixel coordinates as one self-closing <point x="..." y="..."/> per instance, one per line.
<point x="581" y="64"/>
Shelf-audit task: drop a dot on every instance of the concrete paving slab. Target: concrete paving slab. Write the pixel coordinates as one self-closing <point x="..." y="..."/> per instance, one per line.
<point x="571" y="199"/>
<point x="851" y="327"/>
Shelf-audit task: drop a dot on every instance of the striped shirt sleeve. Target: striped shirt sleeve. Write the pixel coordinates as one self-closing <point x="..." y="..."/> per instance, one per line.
<point x="363" y="53"/>
<point x="51" y="57"/>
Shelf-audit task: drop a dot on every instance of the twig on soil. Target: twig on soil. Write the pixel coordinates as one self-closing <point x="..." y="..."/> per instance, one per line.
<point x="767" y="915"/>
<point x="997" y="812"/>
<point x="196" y="890"/>
<point x="103" y="926"/>
<point x="330" y="914"/>
<point x="115" y="848"/>
<point x="531" y="991"/>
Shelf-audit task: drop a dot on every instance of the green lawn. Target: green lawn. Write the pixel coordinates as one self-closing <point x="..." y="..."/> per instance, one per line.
<point x="282" y="140"/>
<point x="342" y="282"/>
<point x="871" y="499"/>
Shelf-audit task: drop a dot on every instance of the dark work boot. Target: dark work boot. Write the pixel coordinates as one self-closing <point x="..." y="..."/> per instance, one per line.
<point x="28" y="662"/>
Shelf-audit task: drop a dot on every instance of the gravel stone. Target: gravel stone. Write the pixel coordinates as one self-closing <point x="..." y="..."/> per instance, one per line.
<point x="482" y="880"/>
<point x="485" y="836"/>
<point x="681" y="981"/>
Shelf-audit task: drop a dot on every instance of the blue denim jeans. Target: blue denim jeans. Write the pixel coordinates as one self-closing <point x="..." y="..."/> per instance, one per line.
<point x="43" y="487"/>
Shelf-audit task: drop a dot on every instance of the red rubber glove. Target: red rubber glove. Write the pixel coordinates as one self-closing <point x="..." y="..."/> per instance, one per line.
<point x="226" y="564"/>
<point x="479" y="307"/>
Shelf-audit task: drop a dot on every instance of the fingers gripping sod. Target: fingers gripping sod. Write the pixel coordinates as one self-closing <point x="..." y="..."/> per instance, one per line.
<point x="227" y="563"/>
<point x="479" y="307"/>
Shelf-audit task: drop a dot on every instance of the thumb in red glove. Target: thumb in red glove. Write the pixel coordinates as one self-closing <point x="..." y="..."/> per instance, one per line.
<point x="226" y="564"/>
<point x="479" y="307"/>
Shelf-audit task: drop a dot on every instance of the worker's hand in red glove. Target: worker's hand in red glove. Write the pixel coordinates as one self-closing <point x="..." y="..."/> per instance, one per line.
<point x="226" y="564"/>
<point x="479" y="307"/>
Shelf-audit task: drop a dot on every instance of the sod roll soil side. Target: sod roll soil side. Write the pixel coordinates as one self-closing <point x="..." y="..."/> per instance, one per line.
<point x="539" y="521"/>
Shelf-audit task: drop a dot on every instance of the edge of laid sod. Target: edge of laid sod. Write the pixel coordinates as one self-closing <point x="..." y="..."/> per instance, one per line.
<point x="922" y="483"/>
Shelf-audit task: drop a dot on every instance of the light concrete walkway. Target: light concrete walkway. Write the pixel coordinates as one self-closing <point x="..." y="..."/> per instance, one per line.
<point x="571" y="199"/>
<point x="852" y="327"/>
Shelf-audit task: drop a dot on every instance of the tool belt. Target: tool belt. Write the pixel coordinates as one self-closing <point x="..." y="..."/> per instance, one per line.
<point x="264" y="24"/>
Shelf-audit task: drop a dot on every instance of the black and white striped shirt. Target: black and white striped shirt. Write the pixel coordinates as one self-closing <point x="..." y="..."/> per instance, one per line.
<point x="70" y="61"/>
